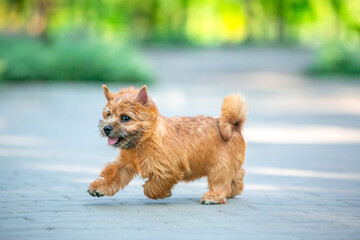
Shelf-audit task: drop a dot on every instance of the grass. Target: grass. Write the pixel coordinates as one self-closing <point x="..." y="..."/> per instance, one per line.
<point x="336" y="59"/>
<point x="68" y="59"/>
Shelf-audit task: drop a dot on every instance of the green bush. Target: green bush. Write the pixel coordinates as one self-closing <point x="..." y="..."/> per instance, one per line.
<point x="67" y="59"/>
<point x="335" y="58"/>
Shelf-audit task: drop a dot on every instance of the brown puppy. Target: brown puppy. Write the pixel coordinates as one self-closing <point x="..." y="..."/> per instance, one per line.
<point x="169" y="150"/>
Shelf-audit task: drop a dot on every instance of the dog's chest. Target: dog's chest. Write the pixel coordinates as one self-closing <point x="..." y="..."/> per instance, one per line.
<point x="145" y="167"/>
<point x="149" y="165"/>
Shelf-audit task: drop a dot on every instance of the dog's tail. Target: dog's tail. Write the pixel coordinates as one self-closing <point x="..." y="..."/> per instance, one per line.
<point x="233" y="115"/>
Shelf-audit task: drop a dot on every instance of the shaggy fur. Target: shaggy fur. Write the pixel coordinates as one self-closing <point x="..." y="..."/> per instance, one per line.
<point x="168" y="150"/>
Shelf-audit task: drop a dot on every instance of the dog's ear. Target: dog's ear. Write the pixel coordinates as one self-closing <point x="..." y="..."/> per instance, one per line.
<point x="107" y="93"/>
<point x="142" y="96"/>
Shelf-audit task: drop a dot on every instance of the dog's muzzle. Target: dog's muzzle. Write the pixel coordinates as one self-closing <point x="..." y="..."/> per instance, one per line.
<point x="107" y="130"/>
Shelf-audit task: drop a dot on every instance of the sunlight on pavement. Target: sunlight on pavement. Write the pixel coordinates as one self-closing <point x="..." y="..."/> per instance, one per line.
<point x="248" y="186"/>
<point x="20" y="140"/>
<point x="266" y="187"/>
<point x="301" y="173"/>
<point x="171" y="99"/>
<point x="267" y="81"/>
<point x="29" y="105"/>
<point x="2" y="123"/>
<point x="292" y="134"/>
<point x="263" y="187"/>
<point x="64" y="168"/>
<point x="283" y="172"/>
<point x="291" y="94"/>
<point x="311" y="104"/>
<point x="28" y="153"/>
<point x="304" y="104"/>
<point x="53" y="154"/>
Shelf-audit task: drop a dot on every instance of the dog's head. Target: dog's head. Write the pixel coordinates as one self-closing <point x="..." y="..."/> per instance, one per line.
<point x="129" y="117"/>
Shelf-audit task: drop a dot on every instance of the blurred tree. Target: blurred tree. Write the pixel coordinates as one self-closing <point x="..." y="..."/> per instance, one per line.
<point x="281" y="21"/>
<point x="301" y="12"/>
<point x="38" y="20"/>
<point x="14" y="9"/>
<point x="249" y="20"/>
<point x="177" y="21"/>
<point x="336" y="4"/>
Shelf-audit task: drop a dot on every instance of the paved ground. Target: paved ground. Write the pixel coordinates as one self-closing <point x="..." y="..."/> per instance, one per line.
<point x="302" y="162"/>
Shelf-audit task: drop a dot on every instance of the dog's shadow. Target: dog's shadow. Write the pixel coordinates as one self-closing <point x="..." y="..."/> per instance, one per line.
<point x="143" y="203"/>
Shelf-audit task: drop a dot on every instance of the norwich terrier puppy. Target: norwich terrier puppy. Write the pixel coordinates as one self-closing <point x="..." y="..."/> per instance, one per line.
<point x="168" y="150"/>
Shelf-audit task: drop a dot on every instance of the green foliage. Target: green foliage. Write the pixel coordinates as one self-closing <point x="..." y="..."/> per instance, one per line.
<point x="164" y="22"/>
<point x="68" y="58"/>
<point x="335" y="58"/>
<point x="205" y="22"/>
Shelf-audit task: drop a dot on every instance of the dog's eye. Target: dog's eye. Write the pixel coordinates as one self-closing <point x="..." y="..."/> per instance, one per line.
<point x="125" y="118"/>
<point x="108" y="114"/>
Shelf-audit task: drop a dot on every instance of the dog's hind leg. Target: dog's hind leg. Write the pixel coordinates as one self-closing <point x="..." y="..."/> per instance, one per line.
<point x="237" y="183"/>
<point x="219" y="188"/>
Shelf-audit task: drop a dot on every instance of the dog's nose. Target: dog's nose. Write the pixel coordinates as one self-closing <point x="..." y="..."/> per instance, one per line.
<point x="107" y="129"/>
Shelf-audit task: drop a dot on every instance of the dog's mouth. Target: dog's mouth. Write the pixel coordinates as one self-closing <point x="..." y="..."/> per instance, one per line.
<point x="114" y="140"/>
<point x="124" y="142"/>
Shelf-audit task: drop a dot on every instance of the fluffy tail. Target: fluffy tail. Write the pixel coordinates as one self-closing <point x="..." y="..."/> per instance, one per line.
<point x="233" y="115"/>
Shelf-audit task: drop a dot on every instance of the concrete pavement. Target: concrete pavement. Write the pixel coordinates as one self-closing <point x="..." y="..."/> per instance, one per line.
<point x="302" y="162"/>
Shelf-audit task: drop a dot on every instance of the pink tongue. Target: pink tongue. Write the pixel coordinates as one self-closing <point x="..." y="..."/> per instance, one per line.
<point x="112" y="141"/>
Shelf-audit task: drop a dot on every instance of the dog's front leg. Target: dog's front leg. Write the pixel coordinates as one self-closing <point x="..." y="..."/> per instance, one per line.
<point x="158" y="188"/>
<point x="115" y="176"/>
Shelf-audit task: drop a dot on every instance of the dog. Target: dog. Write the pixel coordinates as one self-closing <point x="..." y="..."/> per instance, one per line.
<point x="166" y="151"/>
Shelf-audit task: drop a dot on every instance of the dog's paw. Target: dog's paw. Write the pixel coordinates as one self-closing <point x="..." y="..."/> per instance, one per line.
<point x="210" y="202"/>
<point x="169" y="195"/>
<point x="156" y="197"/>
<point x="94" y="193"/>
